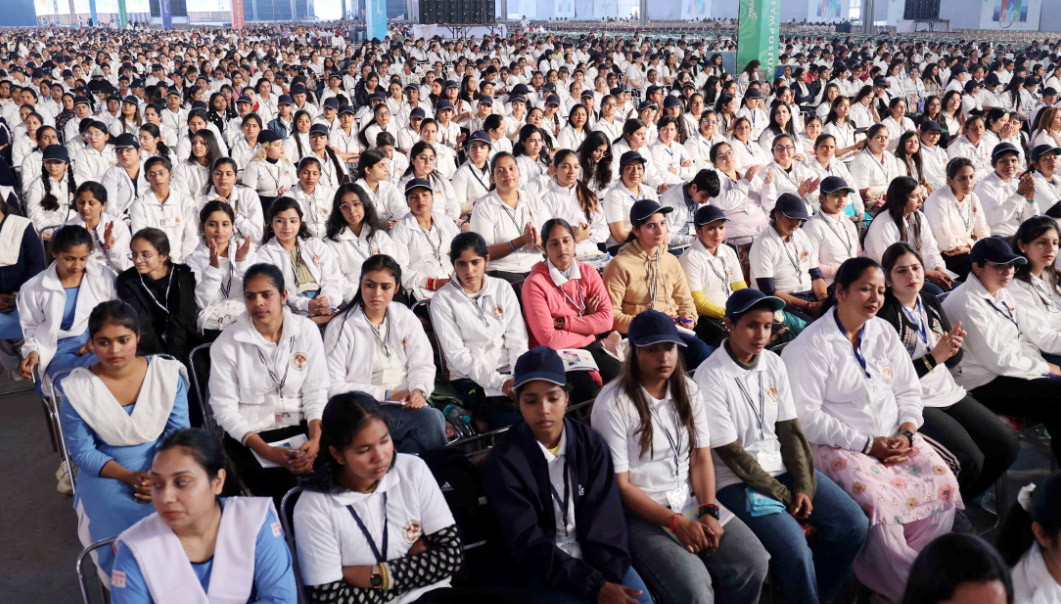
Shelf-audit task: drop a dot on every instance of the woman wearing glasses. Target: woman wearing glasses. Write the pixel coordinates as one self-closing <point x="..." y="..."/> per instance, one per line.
<point x="1001" y="366"/>
<point x="789" y="176"/>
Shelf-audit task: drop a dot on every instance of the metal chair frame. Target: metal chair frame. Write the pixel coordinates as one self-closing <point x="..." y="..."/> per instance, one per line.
<point x="53" y="404"/>
<point x="287" y="515"/>
<point x="82" y="581"/>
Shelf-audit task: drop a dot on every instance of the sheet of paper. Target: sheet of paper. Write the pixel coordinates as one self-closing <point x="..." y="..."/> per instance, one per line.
<point x="294" y="442"/>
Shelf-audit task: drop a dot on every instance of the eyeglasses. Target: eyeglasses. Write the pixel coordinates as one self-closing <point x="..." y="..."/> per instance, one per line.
<point x="1002" y="269"/>
<point x="349" y="206"/>
<point x="724" y="155"/>
<point x="145" y="256"/>
<point x="781" y="148"/>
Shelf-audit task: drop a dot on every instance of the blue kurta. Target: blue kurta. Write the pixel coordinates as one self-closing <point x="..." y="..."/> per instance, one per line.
<point x="107" y="504"/>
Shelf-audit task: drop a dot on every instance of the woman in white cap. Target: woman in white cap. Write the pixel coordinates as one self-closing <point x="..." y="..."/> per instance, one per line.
<point x="782" y="262"/>
<point x="551" y="483"/>
<point x="858" y="401"/>
<point x="654" y="420"/>
<point x="764" y="466"/>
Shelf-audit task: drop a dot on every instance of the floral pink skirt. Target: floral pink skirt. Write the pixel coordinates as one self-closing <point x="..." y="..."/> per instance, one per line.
<point x="917" y="488"/>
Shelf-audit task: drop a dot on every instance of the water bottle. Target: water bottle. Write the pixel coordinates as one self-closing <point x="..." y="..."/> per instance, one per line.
<point x="459" y="417"/>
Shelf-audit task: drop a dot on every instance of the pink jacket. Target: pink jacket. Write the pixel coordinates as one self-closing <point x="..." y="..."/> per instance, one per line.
<point x="543" y="302"/>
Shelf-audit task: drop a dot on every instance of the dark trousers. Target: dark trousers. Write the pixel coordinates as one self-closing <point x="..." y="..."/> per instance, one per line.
<point x="984" y="446"/>
<point x="496" y="411"/>
<point x="507" y="276"/>
<point x="608" y="365"/>
<point x="958" y="264"/>
<point x="1038" y="399"/>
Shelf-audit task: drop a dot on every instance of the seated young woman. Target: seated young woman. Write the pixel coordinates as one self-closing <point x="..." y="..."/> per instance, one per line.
<point x="169" y="557"/>
<point x="1036" y="286"/>
<point x="54" y="305"/>
<point x="355" y="232"/>
<point x="111" y="235"/>
<point x="479" y="325"/>
<point x="1030" y="542"/>
<point x="114" y="415"/>
<point x="372" y="526"/>
<point x="314" y="283"/>
<point x="21" y="259"/>
<point x="378" y="346"/>
<point x="163" y="295"/>
<point x="960" y="569"/>
<point x="712" y="271"/>
<point x="1001" y="367"/>
<point x="566" y="306"/>
<point x="764" y="466"/>
<point x="654" y="420"/>
<point x="984" y="446"/>
<point x="268" y="383"/>
<point x="218" y="264"/>
<point x="859" y="402"/>
<point x="571" y="548"/>
<point x="644" y="275"/>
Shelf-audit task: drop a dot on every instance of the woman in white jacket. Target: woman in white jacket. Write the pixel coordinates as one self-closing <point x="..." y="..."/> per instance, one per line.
<point x="569" y="198"/>
<point x="314" y="283"/>
<point x="1031" y="542"/>
<point x="269" y="172"/>
<point x="269" y="383"/>
<point x="219" y="264"/>
<point x="54" y="305"/>
<point x="243" y="200"/>
<point x="471" y="181"/>
<point x="1001" y="367"/>
<point x="1008" y="197"/>
<point x="167" y="209"/>
<point x="373" y="177"/>
<point x="956" y="216"/>
<point x="50" y="197"/>
<point x="379" y="347"/>
<point x="859" y="401"/>
<point x="823" y="163"/>
<point x="313" y="197"/>
<point x="874" y="168"/>
<point x="480" y="329"/>
<point x="787" y="176"/>
<point x="669" y="155"/>
<point x="111" y="236"/>
<point x="1036" y="287"/>
<point x="355" y="233"/>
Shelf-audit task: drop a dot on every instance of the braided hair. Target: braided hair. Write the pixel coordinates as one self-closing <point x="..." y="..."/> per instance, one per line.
<point x="50" y="202"/>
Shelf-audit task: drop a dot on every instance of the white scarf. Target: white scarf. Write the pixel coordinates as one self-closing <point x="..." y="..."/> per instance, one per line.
<point x="561" y="277"/>
<point x="93" y="401"/>
<point x="168" y="573"/>
<point x="11" y="238"/>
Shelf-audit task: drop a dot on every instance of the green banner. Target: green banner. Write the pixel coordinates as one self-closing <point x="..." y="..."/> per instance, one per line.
<point x="758" y="29"/>
<point x="123" y="17"/>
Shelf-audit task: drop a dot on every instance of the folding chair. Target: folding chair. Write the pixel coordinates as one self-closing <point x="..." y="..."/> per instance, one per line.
<point x="199" y="360"/>
<point x="421" y="309"/>
<point x="57" y="426"/>
<point x="287" y="521"/>
<point x="82" y="580"/>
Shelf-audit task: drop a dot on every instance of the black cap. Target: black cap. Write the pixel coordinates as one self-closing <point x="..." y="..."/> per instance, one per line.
<point x="743" y="300"/>
<point x="298" y="89"/>
<point x="347" y="110"/>
<point x="646" y="105"/>
<point x="706" y="214"/>
<point x="1042" y="150"/>
<point x="553" y="99"/>
<point x="832" y="184"/>
<point x="321" y="129"/>
<point x="880" y="81"/>
<point x="1004" y="148"/>
<point x="671" y="101"/>
<point x="488" y="100"/>
<point x="644" y="208"/>
<point x="652" y="327"/>
<point x="972" y="85"/>
<point x="753" y="93"/>
<point x="126" y="141"/>
<point x="480" y="136"/>
<point x="417" y="112"/>
<point x="418" y="183"/>
<point x="994" y="250"/>
<point x="628" y="157"/>
<point x="244" y="99"/>
<point x="285" y="99"/>
<point x="55" y="153"/>
<point x="540" y="363"/>
<point x="991" y="79"/>
<point x="331" y="103"/>
<point x="930" y="125"/>
<point x="268" y="136"/>
<point x="791" y="206"/>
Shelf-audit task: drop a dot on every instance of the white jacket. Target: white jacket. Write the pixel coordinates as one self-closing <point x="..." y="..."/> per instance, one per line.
<point x="470" y="184"/>
<point x="121" y="190"/>
<point x="1032" y="581"/>
<point x="836" y="403"/>
<point x="118" y="258"/>
<point x="218" y="291"/>
<point x="64" y="197"/>
<point x="388" y="200"/>
<point x="480" y="337"/>
<point x="839" y="169"/>
<point x="190" y="178"/>
<point x="994" y="344"/>
<point x="316" y="207"/>
<point x="1047" y="192"/>
<point x="782" y="182"/>
<point x="868" y="173"/>
<point x="40" y="303"/>
<point x="498" y="223"/>
<point x="560" y="202"/>
<point x="955" y="223"/>
<point x="250" y="221"/>
<point x="833" y="240"/>
<point x="350" y="344"/>
<point x="352" y="250"/>
<point x="1004" y="208"/>
<point x="319" y="259"/>
<point x="178" y="218"/>
<point x="668" y="157"/>
<point x="267" y="179"/>
<point x="90" y="164"/>
<point x="883" y="232"/>
<point x="980" y="154"/>
<point x="1038" y="307"/>
<point x="245" y="393"/>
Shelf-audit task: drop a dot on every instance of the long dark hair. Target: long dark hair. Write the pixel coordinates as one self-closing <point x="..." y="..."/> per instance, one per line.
<point x="600" y="172"/>
<point x="630" y="384"/>
<point x="849" y="272"/>
<point x="213" y="150"/>
<point x="344" y="416"/>
<point x="336" y="223"/>
<point x="895" y="204"/>
<point x="118" y="312"/>
<point x="282" y="204"/>
<point x="379" y="262"/>
<point x="1029" y="231"/>
<point x="152" y="129"/>
<point x="1016" y="536"/>
<point x="587" y="200"/>
<point x="50" y="202"/>
<point x="950" y="561"/>
<point x="913" y="161"/>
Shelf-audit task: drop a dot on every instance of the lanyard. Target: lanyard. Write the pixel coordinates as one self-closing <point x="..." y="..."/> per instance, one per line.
<point x="721" y="274"/>
<point x="475" y="173"/>
<point x="511" y="213"/>
<point x="169" y="283"/>
<point x="653" y="280"/>
<point x="961" y="214"/>
<point x="381" y="556"/>
<point x="227" y="285"/>
<point x="1005" y="313"/>
<point x="474" y="302"/>
<point x="1044" y="296"/>
<point x="562" y="502"/>
<point x="879" y="165"/>
<point x="793" y="260"/>
<point x="278" y="382"/>
<point x="381" y="334"/>
<point x="580" y="304"/>
<point x="857" y="347"/>
<point x="760" y="414"/>
<point x="917" y="317"/>
<point x="436" y="249"/>
<point x="675" y="442"/>
<point x="841" y="234"/>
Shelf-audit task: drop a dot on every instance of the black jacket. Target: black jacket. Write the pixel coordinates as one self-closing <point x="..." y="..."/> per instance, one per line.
<point x="518" y="489"/>
<point x="178" y="325"/>
<point x="938" y="322"/>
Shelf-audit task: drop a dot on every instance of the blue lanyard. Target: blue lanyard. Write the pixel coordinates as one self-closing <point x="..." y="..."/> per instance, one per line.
<point x="858" y="347"/>
<point x="922" y="330"/>
<point x="562" y="502"/>
<point x="381" y="557"/>
<point x="1005" y="313"/>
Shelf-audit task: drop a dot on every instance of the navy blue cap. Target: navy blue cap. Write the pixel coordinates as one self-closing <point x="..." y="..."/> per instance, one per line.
<point x="992" y="79"/>
<point x="643" y="208"/>
<point x="707" y="213"/>
<point x="418" y="183"/>
<point x="539" y="363"/>
<point x="880" y="81"/>
<point x="1042" y="150"/>
<point x="630" y="156"/>
<point x="753" y="93"/>
<point x="298" y="89"/>
<point x="480" y="136"/>
<point x="80" y="100"/>
<point x="994" y="250"/>
<point x="132" y="100"/>
<point x="646" y="105"/>
<point x="652" y="327"/>
<point x="285" y="99"/>
<point x="671" y="101"/>
<point x="486" y="100"/>
<point x="743" y="300"/>
<point x="832" y="184"/>
<point x="549" y="87"/>
<point x="1049" y="90"/>
<point x="198" y="105"/>
<point x="127" y="140"/>
<point x="451" y="84"/>
<point x="332" y="103"/>
<point x="791" y="206"/>
<point x="972" y="85"/>
<point x="587" y="93"/>
<point x="553" y="99"/>
<point x="173" y="91"/>
<point x="442" y="104"/>
<point x="268" y="136"/>
<point x="930" y="125"/>
<point x="245" y="99"/>
<point x="417" y="112"/>
<point x="56" y="153"/>
<point x="958" y="69"/>
<point x="347" y="110"/>
<point x="319" y="129"/>
<point x="1004" y="148"/>
<point x="517" y="97"/>
<point x="377" y="96"/>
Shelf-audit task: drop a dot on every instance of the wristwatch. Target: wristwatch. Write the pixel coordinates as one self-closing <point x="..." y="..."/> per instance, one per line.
<point x="909" y="436"/>
<point x="709" y="509"/>
<point x="377" y="578"/>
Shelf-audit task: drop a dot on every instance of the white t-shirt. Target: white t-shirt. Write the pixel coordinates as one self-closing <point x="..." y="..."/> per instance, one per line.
<point x="786" y="262"/>
<point x="328" y="537"/>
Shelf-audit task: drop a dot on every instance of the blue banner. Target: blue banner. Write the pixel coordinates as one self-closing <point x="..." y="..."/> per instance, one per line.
<point x="167" y="14"/>
<point x="92" y="12"/>
<point x="375" y="19"/>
